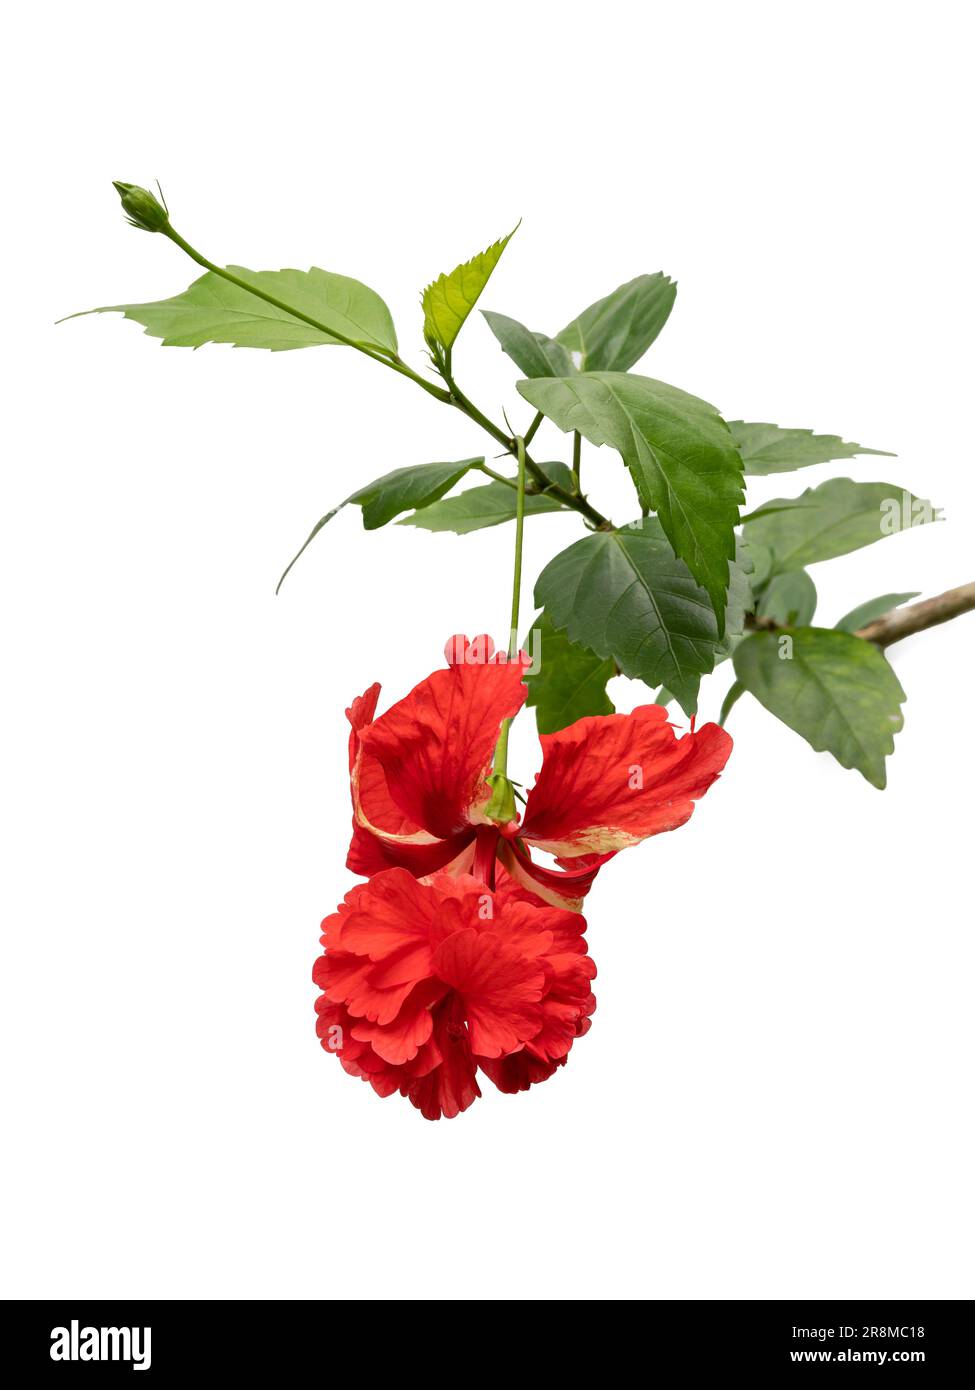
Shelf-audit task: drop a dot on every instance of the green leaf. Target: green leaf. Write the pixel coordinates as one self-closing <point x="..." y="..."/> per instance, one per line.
<point x="393" y="493"/>
<point x="760" y="559"/>
<point x="834" y="689"/>
<point x="408" y="487"/>
<point x="734" y="693"/>
<point x="625" y="595"/>
<point x="770" y="509"/>
<point x="873" y="608"/>
<point x="769" y="449"/>
<point x="789" y="600"/>
<point x="450" y="298"/>
<point x="740" y="601"/>
<point x="616" y="331"/>
<point x="570" y="682"/>
<point x="214" y="311"/>
<point x="678" y="449"/>
<point x="479" y="507"/>
<point x="534" y="353"/>
<point x="833" y="519"/>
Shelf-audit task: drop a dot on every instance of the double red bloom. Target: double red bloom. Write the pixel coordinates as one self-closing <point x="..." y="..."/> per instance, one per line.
<point x="424" y="983"/>
<point x="472" y="966"/>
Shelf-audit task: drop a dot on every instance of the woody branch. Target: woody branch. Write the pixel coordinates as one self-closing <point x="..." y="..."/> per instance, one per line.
<point x="902" y="622"/>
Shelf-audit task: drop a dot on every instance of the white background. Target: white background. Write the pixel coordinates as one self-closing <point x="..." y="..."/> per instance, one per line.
<point x="775" y="1098"/>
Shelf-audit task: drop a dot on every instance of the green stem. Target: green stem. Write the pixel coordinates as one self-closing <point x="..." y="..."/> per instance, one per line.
<point x="498" y="477"/>
<point x="519" y="537"/>
<point x="532" y="429"/>
<point x="501" y="805"/>
<point x="531" y="490"/>
<point x="501" y="753"/>
<point x="452" y="396"/>
<point x="576" y="460"/>
<point x="391" y="360"/>
<point x="545" y="483"/>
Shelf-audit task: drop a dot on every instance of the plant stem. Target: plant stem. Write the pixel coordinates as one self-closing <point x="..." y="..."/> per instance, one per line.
<point x="532" y="429"/>
<point x="452" y="396"/>
<point x="576" y="460"/>
<point x="519" y="537"/>
<point x="391" y="360"/>
<point x="501" y="750"/>
<point x="899" y="622"/>
<point x="918" y="617"/>
<point x="545" y="483"/>
<point x="497" y="477"/>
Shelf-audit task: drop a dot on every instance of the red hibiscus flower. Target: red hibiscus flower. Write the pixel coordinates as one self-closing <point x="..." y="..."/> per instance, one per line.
<point x="424" y="984"/>
<point x="420" y="792"/>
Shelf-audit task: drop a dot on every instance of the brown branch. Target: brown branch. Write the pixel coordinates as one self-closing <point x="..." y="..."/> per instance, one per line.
<point x="904" y="622"/>
<point x="899" y="622"/>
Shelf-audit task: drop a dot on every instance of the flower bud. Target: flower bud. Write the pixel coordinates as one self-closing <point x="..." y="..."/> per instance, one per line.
<point x="144" y="211"/>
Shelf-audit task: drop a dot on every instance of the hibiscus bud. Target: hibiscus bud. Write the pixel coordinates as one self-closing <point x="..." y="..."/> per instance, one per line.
<point x="144" y="211"/>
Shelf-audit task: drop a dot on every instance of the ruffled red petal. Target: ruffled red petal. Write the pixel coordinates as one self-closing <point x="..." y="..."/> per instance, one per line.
<point x="500" y="989"/>
<point x="451" y="1086"/>
<point x="609" y="781"/>
<point x="426" y="981"/>
<point x="519" y="1071"/>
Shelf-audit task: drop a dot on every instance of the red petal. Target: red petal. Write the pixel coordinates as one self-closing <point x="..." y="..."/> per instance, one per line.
<point x="452" y="1086"/>
<point x="519" y="1071"/>
<point x="391" y="911"/>
<point x="436" y="745"/>
<point x="611" y="780"/>
<point x="370" y="853"/>
<point x="400" y="1040"/>
<point x="360" y="714"/>
<point x="379" y="945"/>
<point x="382" y="836"/>
<point x="500" y="989"/>
<point x="558" y="887"/>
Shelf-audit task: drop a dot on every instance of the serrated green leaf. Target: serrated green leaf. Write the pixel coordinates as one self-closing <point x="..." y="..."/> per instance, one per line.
<point x="534" y="353"/>
<point x="678" y="449"/>
<point x="625" y="595"/>
<point x="490" y="505"/>
<point x="874" y="608"/>
<point x="833" y="519"/>
<point x="212" y="310"/>
<point x="770" y="449"/>
<point x="834" y="689"/>
<point x="614" y="333"/>
<point x="570" y="682"/>
<point x="450" y="298"/>
<point x="395" y="492"/>
<point x="789" y="599"/>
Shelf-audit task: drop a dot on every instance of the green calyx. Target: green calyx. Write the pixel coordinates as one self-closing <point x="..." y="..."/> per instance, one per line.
<point x="501" y="808"/>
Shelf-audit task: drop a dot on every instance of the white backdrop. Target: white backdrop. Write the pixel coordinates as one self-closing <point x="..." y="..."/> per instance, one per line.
<point x="775" y="1098"/>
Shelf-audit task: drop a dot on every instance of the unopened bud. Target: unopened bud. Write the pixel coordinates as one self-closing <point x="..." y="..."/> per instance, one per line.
<point x="143" y="209"/>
